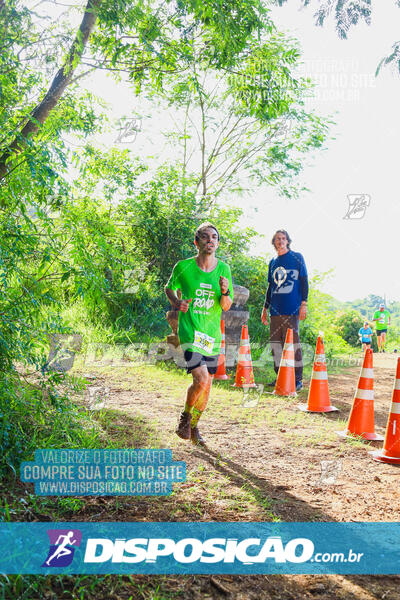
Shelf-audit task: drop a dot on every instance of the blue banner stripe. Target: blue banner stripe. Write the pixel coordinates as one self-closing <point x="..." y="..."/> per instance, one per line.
<point x="201" y="548"/>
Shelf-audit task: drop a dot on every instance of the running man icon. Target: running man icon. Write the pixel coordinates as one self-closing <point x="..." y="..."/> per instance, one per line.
<point x="62" y="549"/>
<point x="63" y="543"/>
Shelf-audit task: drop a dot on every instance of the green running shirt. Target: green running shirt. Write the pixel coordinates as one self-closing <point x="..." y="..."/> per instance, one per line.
<point x="383" y="317"/>
<point x="199" y="329"/>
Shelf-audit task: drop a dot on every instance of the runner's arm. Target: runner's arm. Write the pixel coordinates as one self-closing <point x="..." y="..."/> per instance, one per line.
<point x="225" y="285"/>
<point x="178" y="304"/>
<point x="172" y="297"/>
<point x="225" y="302"/>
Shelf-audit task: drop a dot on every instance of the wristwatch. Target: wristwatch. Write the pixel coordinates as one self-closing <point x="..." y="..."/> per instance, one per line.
<point x="228" y="293"/>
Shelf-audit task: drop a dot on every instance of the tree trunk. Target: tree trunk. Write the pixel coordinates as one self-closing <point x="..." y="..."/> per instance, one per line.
<point x="60" y="82"/>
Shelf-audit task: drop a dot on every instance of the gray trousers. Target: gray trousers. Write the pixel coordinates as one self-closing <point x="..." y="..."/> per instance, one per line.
<point x="278" y="327"/>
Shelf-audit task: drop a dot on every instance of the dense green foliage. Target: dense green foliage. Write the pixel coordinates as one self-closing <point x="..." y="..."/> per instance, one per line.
<point x="88" y="235"/>
<point x="348" y="324"/>
<point x="75" y="218"/>
<point x="33" y="414"/>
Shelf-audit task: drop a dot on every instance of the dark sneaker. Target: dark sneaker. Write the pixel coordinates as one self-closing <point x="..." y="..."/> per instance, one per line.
<point x="299" y="386"/>
<point x="196" y="436"/>
<point x="183" y="429"/>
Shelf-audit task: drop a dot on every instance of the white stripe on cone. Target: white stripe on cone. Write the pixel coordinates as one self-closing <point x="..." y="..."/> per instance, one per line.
<point x="287" y="362"/>
<point x="364" y="394"/>
<point x="395" y="408"/>
<point x="320" y="358"/>
<point x="244" y="358"/>
<point x="368" y="373"/>
<point x="320" y="375"/>
<point x="288" y="348"/>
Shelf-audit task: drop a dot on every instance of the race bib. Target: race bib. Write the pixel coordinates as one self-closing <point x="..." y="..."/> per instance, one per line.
<point x="203" y="341"/>
<point x="382" y="319"/>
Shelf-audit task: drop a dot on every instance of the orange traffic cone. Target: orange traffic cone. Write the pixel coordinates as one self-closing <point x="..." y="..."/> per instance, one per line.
<point x="318" y="394"/>
<point x="221" y="371"/>
<point x="390" y="452"/>
<point x="244" y="371"/>
<point x="285" y="382"/>
<point x="361" y="419"/>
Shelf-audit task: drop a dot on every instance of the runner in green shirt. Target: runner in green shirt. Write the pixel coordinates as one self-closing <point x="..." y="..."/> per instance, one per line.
<point x="382" y="320"/>
<point x="206" y="286"/>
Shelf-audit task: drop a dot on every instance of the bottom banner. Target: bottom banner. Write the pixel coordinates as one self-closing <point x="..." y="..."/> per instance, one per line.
<point x="200" y="548"/>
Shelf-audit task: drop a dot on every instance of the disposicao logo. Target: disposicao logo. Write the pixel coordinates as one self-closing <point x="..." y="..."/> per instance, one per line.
<point x="189" y="550"/>
<point x="62" y="547"/>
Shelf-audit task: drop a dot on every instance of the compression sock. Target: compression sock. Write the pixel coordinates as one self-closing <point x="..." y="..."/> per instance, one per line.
<point x="196" y="414"/>
<point x="188" y="409"/>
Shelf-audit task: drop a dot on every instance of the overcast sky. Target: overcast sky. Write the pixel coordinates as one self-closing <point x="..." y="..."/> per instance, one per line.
<point x="363" y="160"/>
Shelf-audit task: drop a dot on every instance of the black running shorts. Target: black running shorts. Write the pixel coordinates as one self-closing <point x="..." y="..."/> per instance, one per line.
<point x="195" y="359"/>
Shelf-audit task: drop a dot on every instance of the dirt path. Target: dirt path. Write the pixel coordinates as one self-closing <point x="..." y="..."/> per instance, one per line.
<point x="264" y="460"/>
<point x="282" y="459"/>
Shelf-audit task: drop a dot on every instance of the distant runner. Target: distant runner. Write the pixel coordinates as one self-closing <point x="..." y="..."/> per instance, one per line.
<point x="206" y="286"/>
<point x="382" y="320"/>
<point x="365" y="335"/>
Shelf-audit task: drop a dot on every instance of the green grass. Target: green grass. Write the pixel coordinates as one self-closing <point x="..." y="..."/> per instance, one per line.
<point x="253" y="408"/>
<point x="87" y="587"/>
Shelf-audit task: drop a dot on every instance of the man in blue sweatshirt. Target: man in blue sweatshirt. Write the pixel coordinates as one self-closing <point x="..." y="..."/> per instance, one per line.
<point x="286" y="300"/>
